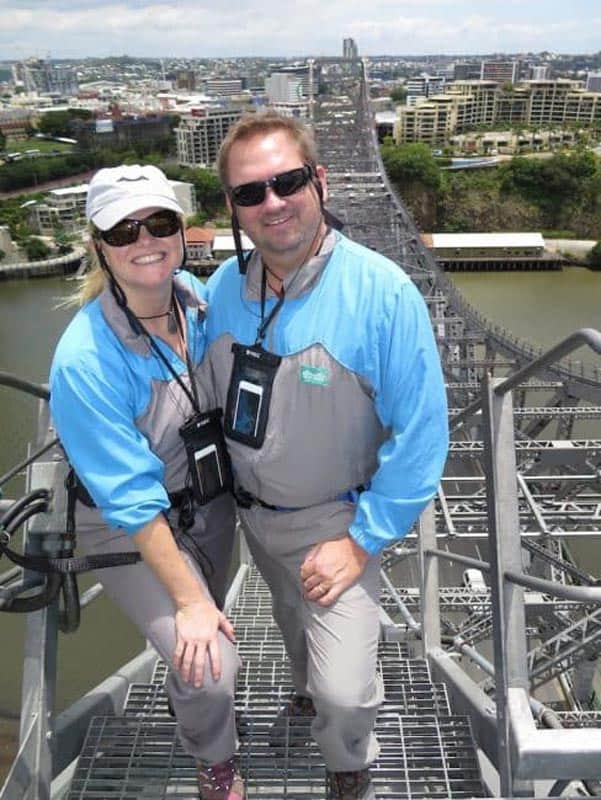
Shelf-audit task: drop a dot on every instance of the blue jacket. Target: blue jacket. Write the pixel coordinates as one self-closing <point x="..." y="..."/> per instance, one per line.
<point x="358" y="399"/>
<point x="118" y="410"/>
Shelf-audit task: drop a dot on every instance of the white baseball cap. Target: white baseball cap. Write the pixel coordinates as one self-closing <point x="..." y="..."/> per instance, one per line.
<point x="115" y="192"/>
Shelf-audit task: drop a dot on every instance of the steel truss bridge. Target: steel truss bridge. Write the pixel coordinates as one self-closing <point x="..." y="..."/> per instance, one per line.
<point x="522" y="485"/>
<point x="559" y="474"/>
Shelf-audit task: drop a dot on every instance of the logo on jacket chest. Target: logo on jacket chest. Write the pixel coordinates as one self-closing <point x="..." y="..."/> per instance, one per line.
<point x="317" y="376"/>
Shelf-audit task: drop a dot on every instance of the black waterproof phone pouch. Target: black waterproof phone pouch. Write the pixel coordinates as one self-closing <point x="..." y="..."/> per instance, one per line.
<point x="208" y="460"/>
<point x="249" y="394"/>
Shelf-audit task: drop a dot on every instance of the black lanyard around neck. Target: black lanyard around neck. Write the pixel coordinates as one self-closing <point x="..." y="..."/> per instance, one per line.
<point x="265" y="323"/>
<point x="138" y="326"/>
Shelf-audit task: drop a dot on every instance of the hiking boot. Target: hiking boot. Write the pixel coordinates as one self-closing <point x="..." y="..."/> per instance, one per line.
<point x="293" y="723"/>
<point x="350" y="786"/>
<point x="220" y="781"/>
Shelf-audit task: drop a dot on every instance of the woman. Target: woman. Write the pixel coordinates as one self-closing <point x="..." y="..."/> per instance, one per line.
<point x="130" y="409"/>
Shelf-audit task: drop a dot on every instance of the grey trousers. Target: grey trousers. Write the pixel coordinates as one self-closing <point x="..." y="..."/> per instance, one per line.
<point x="205" y="715"/>
<point x="333" y="650"/>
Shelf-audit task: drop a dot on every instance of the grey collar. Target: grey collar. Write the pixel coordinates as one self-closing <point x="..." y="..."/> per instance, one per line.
<point x="119" y="323"/>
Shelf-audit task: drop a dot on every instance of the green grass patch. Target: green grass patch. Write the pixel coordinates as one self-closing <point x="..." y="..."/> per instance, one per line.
<point x="43" y="145"/>
<point x="559" y="234"/>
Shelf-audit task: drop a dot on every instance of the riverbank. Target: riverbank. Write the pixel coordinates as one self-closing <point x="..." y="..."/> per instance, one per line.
<point x="45" y="268"/>
<point x="575" y="250"/>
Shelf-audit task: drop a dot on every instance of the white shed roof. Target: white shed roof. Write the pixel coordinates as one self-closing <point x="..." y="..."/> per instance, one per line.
<point x="483" y="240"/>
<point x="225" y="242"/>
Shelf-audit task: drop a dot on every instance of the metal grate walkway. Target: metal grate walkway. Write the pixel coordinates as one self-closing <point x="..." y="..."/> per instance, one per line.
<point x="425" y="750"/>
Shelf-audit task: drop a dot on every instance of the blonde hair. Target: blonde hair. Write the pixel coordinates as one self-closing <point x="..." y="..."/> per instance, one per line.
<point x="94" y="279"/>
<point x="264" y="122"/>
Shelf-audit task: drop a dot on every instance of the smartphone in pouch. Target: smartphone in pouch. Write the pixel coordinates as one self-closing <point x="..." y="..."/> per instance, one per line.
<point x="208" y="470"/>
<point x="248" y="408"/>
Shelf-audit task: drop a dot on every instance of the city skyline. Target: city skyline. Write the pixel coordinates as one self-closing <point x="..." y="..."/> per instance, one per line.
<point x="98" y="28"/>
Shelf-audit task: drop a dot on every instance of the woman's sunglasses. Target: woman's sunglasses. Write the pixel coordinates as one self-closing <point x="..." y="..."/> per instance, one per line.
<point x="284" y="184"/>
<point x="160" y="224"/>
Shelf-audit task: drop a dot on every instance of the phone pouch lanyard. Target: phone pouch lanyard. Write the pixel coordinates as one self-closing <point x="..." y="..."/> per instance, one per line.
<point x="208" y="460"/>
<point x="249" y="394"/>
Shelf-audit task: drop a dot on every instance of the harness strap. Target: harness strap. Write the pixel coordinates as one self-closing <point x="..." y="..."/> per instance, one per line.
<point x="67" y="565"/>
<point x="245" y="499"/>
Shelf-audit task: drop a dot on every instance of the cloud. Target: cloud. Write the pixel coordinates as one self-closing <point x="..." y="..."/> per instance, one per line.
<point x="262" y="27"/>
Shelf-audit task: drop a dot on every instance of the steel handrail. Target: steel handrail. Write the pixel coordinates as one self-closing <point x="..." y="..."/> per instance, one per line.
<point x="584" y="336"/>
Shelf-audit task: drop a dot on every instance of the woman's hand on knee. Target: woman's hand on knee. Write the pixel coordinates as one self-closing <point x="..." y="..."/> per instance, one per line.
<point x="196" y="629"/>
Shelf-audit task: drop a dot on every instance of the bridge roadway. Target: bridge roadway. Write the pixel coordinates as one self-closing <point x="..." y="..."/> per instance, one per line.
<point x="427" y="751"/>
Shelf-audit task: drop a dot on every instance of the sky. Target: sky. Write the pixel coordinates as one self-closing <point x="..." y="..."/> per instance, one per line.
<point x="197" y="29"/>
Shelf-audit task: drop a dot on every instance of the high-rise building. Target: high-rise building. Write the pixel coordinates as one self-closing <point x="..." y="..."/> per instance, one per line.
<point x="593" y="82"/>
<point x="37" y="76"/>
<point x="185" y="79"/>
<point x="466" y="71"/>
<point x="350" y="49"/>
<point x="423" y="86"/>
<point x="223" y="87"/>
<point x="301" y="71"/>
<point x="540" y="72"/>
<point x="200" y="134"/>
<point x="500" y="71"/>
<point x="281" y="87"/>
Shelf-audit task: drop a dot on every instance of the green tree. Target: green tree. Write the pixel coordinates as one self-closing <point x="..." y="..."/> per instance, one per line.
<point x="196" y="220"/>
<point x="410" y="164"/>
<point x="2" y="255"/>
<point x="36" y="249"/>
<point x="63" y="240"/>
<point x="207" y="187"/>
<point x="57" y="123"/>
<point x="554" y="184"/>
<point x="398" y="94"/>
<point x="2" y="141"/>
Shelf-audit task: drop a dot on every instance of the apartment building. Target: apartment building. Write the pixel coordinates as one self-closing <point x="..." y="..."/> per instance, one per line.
<point x="223" y="87"/>
<point x="281" y="87"/>
<point x="200" y="133"/>
<point x="303" y="73"/>
<point x="423" y="86"/>
<point x="350" y="49"/>
<point x="63" y="208"/>
<point x="500" y="71"/>
<point x="466" y="105"/>
<point x="66" y="208"/>
<point x="593" y="82"/>
<point x="560" y="101"/>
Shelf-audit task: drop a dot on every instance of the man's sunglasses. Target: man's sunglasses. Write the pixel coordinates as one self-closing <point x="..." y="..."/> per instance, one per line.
<point x="160" y="224"/>
<point x="284" y="184"/>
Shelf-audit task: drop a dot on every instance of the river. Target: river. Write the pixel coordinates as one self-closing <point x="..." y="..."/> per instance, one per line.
<point x="542" y="307"/>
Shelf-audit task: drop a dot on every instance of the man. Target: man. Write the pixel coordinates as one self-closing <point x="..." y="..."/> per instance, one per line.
<point x="323" y="358"/>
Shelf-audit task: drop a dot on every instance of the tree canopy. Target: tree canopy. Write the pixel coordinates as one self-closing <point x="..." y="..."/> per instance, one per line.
<point x="552" y="183"/>
<point x="411" y="163"/>
<point x="594" y="257"/>
<point x="57" y="123"/>
<point x="36" y="249"/>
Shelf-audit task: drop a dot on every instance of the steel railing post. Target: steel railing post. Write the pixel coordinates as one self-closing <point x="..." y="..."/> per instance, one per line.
<point x="429" y="584"/>
<point x="509" y="640"/>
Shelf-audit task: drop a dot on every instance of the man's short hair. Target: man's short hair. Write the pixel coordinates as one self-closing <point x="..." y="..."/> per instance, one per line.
<point x="263" y="123"/>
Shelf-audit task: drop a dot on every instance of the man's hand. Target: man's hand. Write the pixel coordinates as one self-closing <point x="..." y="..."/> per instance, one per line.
<point x="196" y="629"/>
<point x="330" y="568"/>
